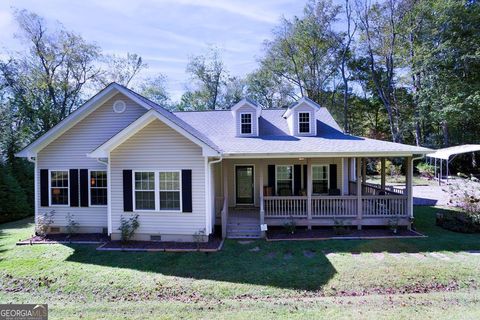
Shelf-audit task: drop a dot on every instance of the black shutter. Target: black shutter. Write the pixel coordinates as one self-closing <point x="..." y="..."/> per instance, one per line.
<point x="271" y="178"/>
<point x="44" y="187"/>
<point x="186" y="190"/>
<point x="83" y="187"/>
<point x="73" y="183"/>
<point x="127" y="191"/>
<point x="333" y="176"/>
<point x="297" y="179"/>
<point x="305" y="177"/>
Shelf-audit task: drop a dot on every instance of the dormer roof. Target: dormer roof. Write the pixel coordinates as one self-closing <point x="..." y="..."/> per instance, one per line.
<point x="302" y="100"/>
<point x="249" y="102"/>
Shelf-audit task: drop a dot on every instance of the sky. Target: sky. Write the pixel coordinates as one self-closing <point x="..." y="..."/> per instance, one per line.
<point x="164" y="32"/>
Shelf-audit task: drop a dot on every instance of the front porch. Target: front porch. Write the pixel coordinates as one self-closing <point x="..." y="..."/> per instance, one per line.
<point x="348" y="198"/>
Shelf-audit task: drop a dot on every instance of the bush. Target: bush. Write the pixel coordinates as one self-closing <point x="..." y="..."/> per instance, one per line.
<point x="290" y="226"/>
<point x="390" y="168"/>
<point x="426" y="170"/>
<point x="72" y="225"/>
<point x="44" y="221"/>
<point x="465" y="196"/>
<point x="466" y="222"/>
<point x="128" y="227"/>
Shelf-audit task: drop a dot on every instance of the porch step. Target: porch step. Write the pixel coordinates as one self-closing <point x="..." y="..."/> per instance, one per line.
<point x="243" y="236"/>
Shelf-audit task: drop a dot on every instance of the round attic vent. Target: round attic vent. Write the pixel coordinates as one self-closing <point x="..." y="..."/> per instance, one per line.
<point x="119" y="106"/>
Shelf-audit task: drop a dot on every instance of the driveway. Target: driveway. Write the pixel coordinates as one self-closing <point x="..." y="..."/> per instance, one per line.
<point x="430" y="195"/>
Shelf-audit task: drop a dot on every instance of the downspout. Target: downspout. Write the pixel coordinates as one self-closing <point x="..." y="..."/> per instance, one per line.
<point x="35" y="186"/>
<point x="209" y="201"/>
<point x="102" y="161"/>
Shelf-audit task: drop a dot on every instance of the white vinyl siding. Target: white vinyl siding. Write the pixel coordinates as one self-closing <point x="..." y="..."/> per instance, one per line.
<point x="157" y="147"/>
<point x="69" y="151"/>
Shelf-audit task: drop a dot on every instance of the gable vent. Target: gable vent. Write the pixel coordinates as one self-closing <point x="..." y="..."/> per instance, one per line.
<point x="119" y="106"/>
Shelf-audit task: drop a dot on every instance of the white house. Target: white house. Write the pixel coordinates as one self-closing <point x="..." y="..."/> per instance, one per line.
<point x="184" y="173"/>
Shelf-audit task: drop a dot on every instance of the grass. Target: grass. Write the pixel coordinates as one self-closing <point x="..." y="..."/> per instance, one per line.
<point x="432" y="277"/>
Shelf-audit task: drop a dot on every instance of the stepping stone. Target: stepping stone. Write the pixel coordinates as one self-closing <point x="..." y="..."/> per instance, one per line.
<point x="418" y="256"/>
<point x="440" y="256"/>
<point x="309" y="253"/>
<point x="245" y="241"/>
<point x="332" y="255"/>
<point x="379" y="256"/>
<point x="271" y="255"/>
<point x="288" y="255"/>
<point x="256" y="249"/>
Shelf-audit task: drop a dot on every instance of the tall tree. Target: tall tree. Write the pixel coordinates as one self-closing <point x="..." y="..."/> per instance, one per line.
<point x="303" y="52"/>
<point x="208" y="73"/>
<point x="121" y="70"/>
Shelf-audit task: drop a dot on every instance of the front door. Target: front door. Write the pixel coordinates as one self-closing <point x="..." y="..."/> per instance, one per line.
<point x="244" y="184"/>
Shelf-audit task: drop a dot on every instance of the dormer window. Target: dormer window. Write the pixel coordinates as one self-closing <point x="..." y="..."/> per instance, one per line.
<point x="246" y="123"/>
<point x="304" y="122"/>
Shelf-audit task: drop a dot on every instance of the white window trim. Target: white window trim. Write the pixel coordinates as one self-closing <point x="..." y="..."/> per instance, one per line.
<point x="251" y="124"/>
<point x="309" y="122"/>
<point x="50" y="188"/>
<point x="293" y="176"/>
<point x="157" y="192"/>
<point x="90" y="187"/>
<point x="328" y="176"/>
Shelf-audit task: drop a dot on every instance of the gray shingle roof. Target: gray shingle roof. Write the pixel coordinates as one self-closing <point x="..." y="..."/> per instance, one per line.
<point x="274" y="137"/>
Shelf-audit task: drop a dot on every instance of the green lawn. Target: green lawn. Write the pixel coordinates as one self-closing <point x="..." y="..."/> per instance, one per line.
<point x="399" y="279"/>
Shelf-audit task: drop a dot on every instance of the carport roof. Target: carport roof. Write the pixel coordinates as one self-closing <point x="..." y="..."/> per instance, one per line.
<point x="446" y="153"/>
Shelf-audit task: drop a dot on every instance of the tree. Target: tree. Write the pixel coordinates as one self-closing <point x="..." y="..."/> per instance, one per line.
<point x="303" y="52"/>
<point x="208" y="73"/>
<point x="121" y="70"/>
<point x="269" y="90"/>
<point x="155" y="89"/>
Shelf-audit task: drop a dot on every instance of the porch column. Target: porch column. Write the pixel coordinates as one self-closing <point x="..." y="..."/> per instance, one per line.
<point x="382" y="174"/>
<point x="225" y="198"/>
<point x="262" y="209"/>
<point x="359" y="193"/>
<point x="349" y="175"/>
<point x="309" y="194"/>
<point x="364" y="170"/>
<point x="408" y="187"/>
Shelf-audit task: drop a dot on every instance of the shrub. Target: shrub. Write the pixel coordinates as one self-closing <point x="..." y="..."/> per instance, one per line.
<point x="128" y="227"/>
<point x="14" y="202"/>
<point x="44" y="221"/>
<point x="290" y="226"/>
<point x="339" y="227"/>
<point x="426" y="170"/>
<point x="72" y="225"/>
<point x="465" y="196"/>
<point x="390" y="168"/>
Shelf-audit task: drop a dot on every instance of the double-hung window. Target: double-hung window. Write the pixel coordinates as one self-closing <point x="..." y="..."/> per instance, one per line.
<point x="98" y="188"/>
<point x="246" y="123"/>
<point x="320" y="179"/>
<point x="284" y="179"/>
<point x="144" y="190"/>
<point x="304" y="122"/>
<point x="59" y="188"/>
<point x="157" y="190"/>
<point x="169" y="190"/>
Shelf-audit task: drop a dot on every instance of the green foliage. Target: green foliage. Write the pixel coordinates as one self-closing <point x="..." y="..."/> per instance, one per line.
<point x="290" y="226"/>
<point x="339" y="227"/>
<point x="128" y="226"/>
<point x="465" y="222"/>
<point x="14" y="203"/>
<point x="426" y="170"/>
<point x="72" y="225"/>
<point x="43" y="223"/>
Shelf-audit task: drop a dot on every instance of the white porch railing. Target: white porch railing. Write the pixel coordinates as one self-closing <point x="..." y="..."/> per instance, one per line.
<point x="334" y="206"/>
<point x="277" y="207"/>
<point x="384" y="206"/>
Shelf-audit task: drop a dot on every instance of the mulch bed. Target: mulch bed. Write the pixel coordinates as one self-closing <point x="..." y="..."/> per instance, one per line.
<point x="214" y="244"/>
<point x="77" y="238"/>
<point x="352" y="234"/>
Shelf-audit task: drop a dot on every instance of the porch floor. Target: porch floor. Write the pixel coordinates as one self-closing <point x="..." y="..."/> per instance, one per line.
<point x="243" y="222"/>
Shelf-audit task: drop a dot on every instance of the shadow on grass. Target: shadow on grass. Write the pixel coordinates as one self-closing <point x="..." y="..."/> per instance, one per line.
<point x="301" y="265"/>
<point x="6" y="240"/>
